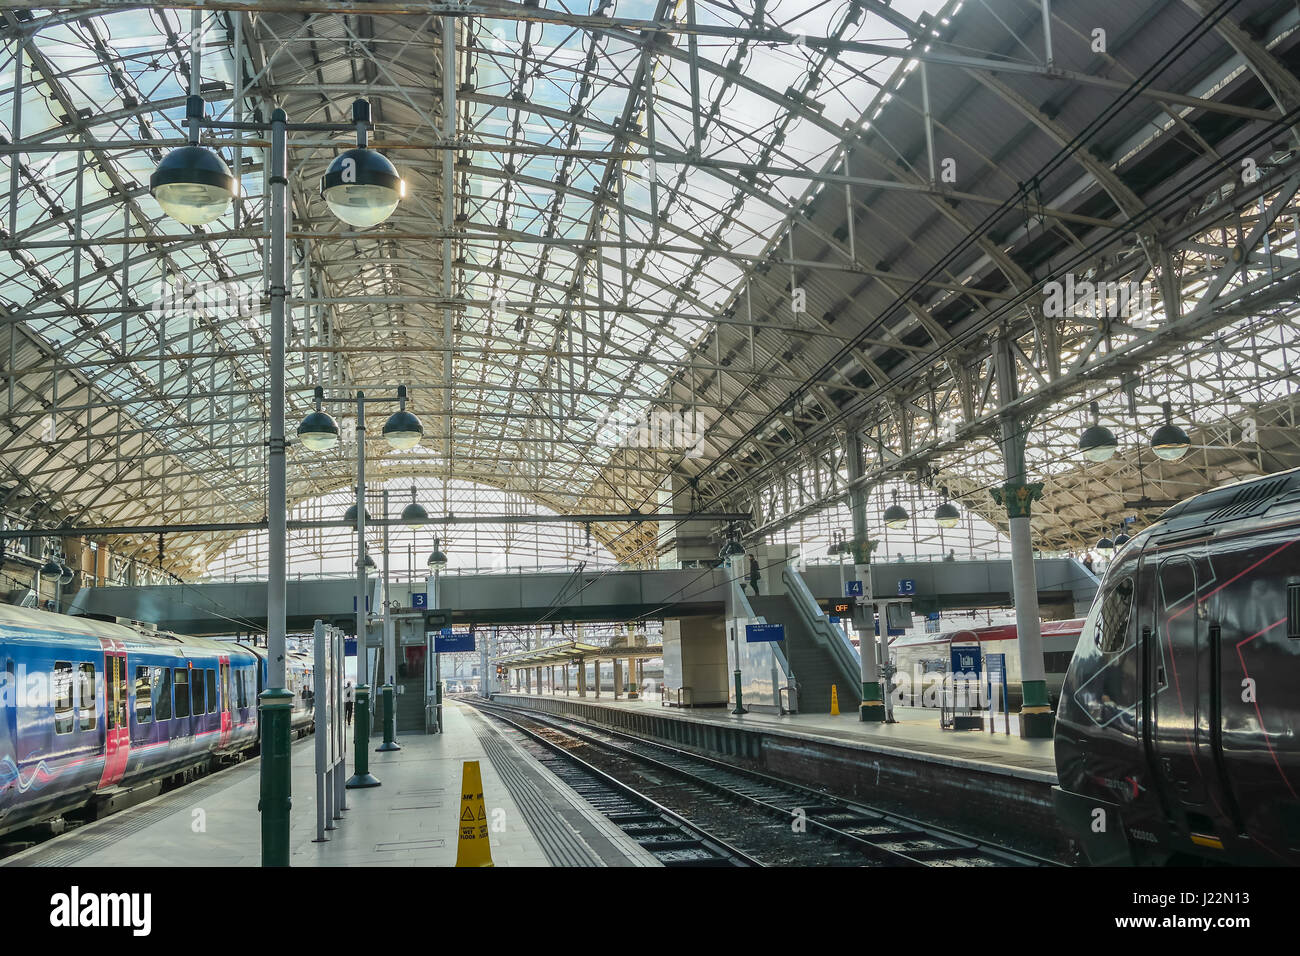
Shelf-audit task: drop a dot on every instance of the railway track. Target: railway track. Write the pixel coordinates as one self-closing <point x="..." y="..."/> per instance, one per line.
<point x="768" y="819"/>
<point x="670" y="838"/>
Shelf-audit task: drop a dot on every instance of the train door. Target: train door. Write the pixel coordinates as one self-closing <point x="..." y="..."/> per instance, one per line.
<point x="224" y="690"/>
<point x="117" y="731"/>
<point x="1179" y="662"/>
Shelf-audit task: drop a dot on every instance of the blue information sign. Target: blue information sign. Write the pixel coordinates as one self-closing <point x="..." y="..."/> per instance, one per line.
<point x="853" y="589"/>
<point x="349" y="647"/>
<point x="760" y="633"/>
<point x="354" y="602"/>
<point x="420" y="600"/>
<point x="997" y="667"/>
<point x="907" y="586"/>
<point x="966" y="660"/>
<point x="451" y="643"/>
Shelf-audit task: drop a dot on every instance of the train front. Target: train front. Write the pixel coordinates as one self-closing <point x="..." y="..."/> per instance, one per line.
<point x="1096" y="742"/>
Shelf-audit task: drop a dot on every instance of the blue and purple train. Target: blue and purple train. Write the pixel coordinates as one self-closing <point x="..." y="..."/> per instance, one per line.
<point x="91" y="709"/>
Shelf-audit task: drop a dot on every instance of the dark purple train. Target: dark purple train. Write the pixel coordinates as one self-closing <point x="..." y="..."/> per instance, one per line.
<point x="1178" y="735"/>
<point x="91" y="710"/>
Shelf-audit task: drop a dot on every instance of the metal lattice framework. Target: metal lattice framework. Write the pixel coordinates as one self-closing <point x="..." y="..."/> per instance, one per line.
<point x="778" y="222"/>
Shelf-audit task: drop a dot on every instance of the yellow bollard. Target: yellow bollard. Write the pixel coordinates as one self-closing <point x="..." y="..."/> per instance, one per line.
<point x="472" y="848"/>
<point x="835" y="702"/>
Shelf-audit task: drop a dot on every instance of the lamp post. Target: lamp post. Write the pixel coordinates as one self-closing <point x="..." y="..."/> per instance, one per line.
<point x="193" y="185"/>
<point x="437" y="561"/>
<point x="390" y="653"/>
<point x="319" y="432"/>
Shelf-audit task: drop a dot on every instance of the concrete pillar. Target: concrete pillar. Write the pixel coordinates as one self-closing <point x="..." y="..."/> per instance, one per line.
<point x="1017" y="495"/>
<point x="582" y="678"/>
<point x="595" y="675"/>
<point x="633" y="685"/>
<point x="540" y="689"/>
<point x="618" y="678"/>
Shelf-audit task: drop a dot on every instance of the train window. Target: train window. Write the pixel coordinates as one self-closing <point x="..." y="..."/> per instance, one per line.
<point x="198" y="696"/>
<point x="243" y="687"/>
<point x="211" y="676"/>
<point x="143" y="696"/>
<point x="1112" y="622"/>
<point x="87" y="705"/>
<point x="181" y="686"/>
<point x="1177" y="582"/>
<point x="162" y="693"/>
<point x="62" y="697"/>
<point x="1293" y="611"/>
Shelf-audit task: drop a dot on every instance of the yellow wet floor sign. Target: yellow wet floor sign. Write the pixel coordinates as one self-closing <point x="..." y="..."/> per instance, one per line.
<point x="835" y="702"/>
<point x="472" y="848"/>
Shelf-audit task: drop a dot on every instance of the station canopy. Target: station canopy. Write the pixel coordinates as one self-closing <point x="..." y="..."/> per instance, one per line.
<point x="759" y="227"/>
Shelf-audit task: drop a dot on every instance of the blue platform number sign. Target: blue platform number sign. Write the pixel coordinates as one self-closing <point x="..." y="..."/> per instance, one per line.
<point x="907" y="586"/>
<point x="760" y="633"/>
<point x="453" y="642"/>
<point x="966" y="660"/>
<point x="419" y="600"/>
<point x="853" y="589"/>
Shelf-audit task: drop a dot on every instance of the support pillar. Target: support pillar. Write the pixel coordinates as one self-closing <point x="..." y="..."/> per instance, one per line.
<point x="582" y="678"/>
<point x="1017" y="495"/>
<point x="595" y="675"/>
<point x="618" y="677"/>
<point x="872" y="708"/>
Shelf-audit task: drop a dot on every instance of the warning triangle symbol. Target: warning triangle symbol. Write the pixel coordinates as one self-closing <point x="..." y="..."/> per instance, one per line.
<point x="481" y="814"/>
<point x="467" y="815"/>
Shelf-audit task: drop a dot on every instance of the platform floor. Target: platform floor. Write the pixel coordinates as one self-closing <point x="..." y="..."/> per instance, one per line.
<point x="917" y="733"/>
<point x="409" y="821"/>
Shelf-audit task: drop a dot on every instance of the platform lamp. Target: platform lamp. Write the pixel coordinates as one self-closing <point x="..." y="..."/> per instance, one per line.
<point x="194" y="186"/>
<point x="402" y="430"/>
<point x="1105" y="547"/>
<point x="1169" y="442"/>
<point x="50" y="569"/>
<point x="896" y="516"/>
<point x="1097" y="443"/>
<point x="436" y="563"/>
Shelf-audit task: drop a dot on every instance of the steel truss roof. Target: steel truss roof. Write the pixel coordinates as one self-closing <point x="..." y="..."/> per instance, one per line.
<point x="738" y="214"/>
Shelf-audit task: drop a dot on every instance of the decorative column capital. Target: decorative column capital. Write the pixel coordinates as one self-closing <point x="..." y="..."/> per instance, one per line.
<point x="1018" y="497"/>
<point x="861" y="550"/>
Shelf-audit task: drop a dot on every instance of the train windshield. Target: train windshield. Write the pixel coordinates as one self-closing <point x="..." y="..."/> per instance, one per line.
<point x="1112" y="622"/>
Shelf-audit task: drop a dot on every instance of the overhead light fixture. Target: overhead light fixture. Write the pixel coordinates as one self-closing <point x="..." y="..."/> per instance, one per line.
<point x="1170" y="442"/>
<point x="361" y="186"/>
<point x="437" y="560"/>
<point x="51" y="568"/>
<point x="947" y="515"/>
<point x="1105" y="547"/>
<point x="402" y="430"/>
<point x="318" y="431"/>
<point x="193" y="185"/>
<point x="351" y="513"/>
<point x="896" y="516"/>
<point x="414" y="512"/>
<point x="1097" y="443"/>
<point x="731" y="549"/>
<point x="1121" y="539"/>
<point x="66" y="574"/>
